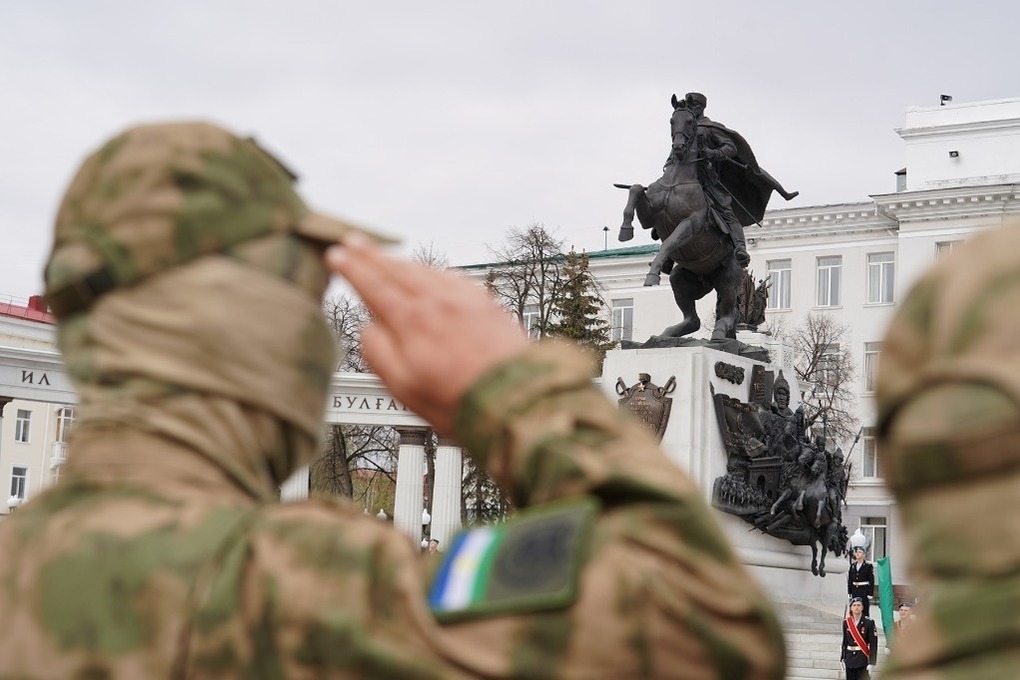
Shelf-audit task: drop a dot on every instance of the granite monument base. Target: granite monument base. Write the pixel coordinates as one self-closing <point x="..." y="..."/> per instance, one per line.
<point x="692" y="440"/>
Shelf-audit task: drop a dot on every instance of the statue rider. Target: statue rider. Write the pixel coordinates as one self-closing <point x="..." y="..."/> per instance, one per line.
<point x="719" y="145"/>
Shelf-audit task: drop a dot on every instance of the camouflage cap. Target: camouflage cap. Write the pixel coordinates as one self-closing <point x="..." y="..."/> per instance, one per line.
<point x="157" y="196"/>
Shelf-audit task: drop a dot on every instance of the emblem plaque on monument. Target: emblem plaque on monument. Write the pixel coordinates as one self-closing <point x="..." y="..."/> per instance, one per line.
<point x="761" y="385"/>
<point x="648" y="401"/>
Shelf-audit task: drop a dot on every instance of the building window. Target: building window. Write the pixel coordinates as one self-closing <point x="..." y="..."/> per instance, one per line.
<point x="65" y="419"/>
<point x="829" y="272"/>
<point x="875" y="529"/>
<point x="945" y="248"/>
<point x="19" y="481"/>
<point x="21" y="425"/>
<point x="780" y="276"/>
<point x="827" y="371"/>
<point x="623" y="319"/>
<point x="531" y="318"/>
<point x="871" y="352"/>
<point x="869" y="454"/>
<point x="881" y="268"/>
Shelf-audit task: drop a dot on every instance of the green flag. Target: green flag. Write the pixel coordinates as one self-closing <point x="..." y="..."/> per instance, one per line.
<point x="885" y="598"/>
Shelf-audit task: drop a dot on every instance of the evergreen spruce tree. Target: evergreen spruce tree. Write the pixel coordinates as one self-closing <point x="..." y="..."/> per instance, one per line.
<point x="577" y="311"/>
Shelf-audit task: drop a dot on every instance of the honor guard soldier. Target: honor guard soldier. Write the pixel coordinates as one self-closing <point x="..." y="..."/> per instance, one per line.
<point x="860" y="579"/>
<point x="860" y="642"/>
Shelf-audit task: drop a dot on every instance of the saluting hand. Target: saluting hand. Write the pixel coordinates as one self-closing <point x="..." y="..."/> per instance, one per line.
<point x="433" y="333"/>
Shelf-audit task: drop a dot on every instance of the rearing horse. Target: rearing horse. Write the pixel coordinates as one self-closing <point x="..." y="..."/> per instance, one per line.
<point x="674" y="207"/>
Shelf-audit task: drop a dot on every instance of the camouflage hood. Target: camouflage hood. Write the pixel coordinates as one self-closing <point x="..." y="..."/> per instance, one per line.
<point x="186" y="273"/>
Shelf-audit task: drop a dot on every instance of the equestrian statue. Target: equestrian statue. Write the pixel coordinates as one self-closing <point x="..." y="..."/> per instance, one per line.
<point x="711" y="188"/>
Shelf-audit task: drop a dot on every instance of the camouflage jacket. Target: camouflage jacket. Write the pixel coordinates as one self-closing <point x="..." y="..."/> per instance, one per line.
<point x="162" y="566"/>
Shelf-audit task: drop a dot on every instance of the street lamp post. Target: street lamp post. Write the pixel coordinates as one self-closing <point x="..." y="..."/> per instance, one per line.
<point x="426" y="519"/>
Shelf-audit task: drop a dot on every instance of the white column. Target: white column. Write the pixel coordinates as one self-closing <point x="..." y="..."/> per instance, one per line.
<point x="446" y="492"/>
<point x="296" y="486"/>
<point x="407" y="505"/>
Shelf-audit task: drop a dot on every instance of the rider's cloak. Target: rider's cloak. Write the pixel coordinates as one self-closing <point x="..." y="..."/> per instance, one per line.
<point x="747" y="182"/>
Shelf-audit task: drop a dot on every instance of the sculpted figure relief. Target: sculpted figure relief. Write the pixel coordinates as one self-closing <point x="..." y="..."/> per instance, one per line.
<point x="789" y="486"/>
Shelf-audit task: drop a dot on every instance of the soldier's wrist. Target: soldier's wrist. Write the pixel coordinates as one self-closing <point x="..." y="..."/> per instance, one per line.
<point x="512" y="388"/>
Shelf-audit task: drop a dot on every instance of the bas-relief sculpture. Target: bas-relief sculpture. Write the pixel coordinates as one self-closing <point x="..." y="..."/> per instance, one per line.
<point x="735" y="374"/>
<point x="711" y="187"/>
<point x="777" y="478"/>
<point x="752" y="301"/>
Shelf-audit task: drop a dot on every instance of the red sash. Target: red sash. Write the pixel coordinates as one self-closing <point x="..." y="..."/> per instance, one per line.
<point x="856" y="634"/>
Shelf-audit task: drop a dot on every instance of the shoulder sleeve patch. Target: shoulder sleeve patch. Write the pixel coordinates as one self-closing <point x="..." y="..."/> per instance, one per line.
<point x="529" y="563"/>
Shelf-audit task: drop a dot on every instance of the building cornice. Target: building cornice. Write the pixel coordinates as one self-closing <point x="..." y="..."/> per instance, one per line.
<point x="983" y="126"/>
<point x="822" y="220"/>
<point x="947" y="203"/>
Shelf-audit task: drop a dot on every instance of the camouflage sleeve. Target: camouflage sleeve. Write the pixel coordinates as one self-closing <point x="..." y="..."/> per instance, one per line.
<point x="667" y="579"/>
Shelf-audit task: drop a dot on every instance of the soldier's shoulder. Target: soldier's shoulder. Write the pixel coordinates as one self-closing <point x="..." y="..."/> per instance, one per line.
<point x="311" y="524"/>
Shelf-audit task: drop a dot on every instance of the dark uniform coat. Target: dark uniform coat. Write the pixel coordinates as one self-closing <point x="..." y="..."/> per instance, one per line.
<point x="851" y="654"/>
<point x="861" y="583"/>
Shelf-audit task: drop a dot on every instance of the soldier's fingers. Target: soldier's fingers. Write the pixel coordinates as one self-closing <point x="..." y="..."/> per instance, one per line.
<point x="384" y="357"/>
<point x="404" y="296"/>
<point x="375" y="269"/>
<point x="390" y="304"/>
<point x="404" y="380"/>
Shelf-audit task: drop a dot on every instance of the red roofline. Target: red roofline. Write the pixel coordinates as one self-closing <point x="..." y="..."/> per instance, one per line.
<point x="35" y="311"/>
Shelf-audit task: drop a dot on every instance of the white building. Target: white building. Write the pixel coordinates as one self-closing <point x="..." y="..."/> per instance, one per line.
<point x="856" y="260"/>
<point x="33" y="434"/>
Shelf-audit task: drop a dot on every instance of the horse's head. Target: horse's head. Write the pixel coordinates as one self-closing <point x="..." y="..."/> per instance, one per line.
<point x="682" y="126"/>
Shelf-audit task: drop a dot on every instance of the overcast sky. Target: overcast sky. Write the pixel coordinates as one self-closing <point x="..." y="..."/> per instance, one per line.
<point x="448" y="122"/>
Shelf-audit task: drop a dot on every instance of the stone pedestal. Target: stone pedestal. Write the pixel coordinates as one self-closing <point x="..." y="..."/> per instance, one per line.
<point x="692" y="440"/>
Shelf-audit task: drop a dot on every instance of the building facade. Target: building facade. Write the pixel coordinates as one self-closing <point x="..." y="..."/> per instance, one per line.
<point x="33" y="433"/>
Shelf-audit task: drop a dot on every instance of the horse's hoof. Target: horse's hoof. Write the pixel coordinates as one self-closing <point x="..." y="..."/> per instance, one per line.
<point x="821" y="571"/>
<point x="626" y="233"/>
<point x="814" y="570"/>
<point x="652" y="280"/>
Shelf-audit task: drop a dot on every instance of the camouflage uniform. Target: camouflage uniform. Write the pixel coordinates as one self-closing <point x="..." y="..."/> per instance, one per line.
<point x="187" y="277"/>
<point x="948" y="396"/>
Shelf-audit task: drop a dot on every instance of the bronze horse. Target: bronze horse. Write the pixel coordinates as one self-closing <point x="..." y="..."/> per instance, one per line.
<point x="695" y="252"/>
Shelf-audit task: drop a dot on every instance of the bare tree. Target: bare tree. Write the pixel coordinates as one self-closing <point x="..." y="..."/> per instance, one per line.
<point x="346" y="315"/>
<point x="827" y="373"/>
<point x="528" y="276"/>
<point x="358" y="462"/>
<point x="427" y="255"/>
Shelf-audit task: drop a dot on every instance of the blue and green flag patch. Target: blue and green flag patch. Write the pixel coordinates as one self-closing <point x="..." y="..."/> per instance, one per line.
<point x="529" y="563"/>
